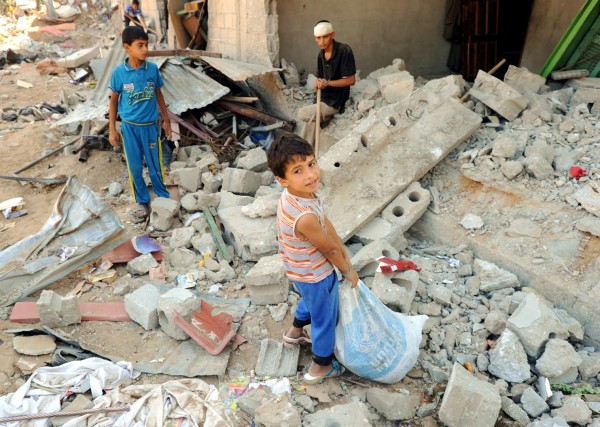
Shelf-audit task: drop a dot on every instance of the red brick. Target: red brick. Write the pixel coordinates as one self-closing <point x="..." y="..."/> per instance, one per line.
<point x="27" y="312"/>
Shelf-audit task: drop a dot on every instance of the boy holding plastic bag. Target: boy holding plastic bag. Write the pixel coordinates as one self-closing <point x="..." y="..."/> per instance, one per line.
<point x="310" y="248"/>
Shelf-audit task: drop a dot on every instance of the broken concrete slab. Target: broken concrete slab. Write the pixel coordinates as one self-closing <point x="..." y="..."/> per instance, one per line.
<point x="408" y="207"/>
<point x="508" y="359"/>
<point x="200" y="201"/>
<point x="533" y="404"/>
<point x="397" y="86"/>
<point x="78" y="58"/>
<point x="142" y="305"/>
<point x="267" y="281"/>
<point x="390" y="140"/>
<point x="252" y="238"/>
<point x="277" y="360"/>
<point x="241" y="181"/>
<point x="189" y="179"/>
<point x="469" y="401"/>
<point x="277" y="411"/>
<point x="180" y="301"/>
<point x="574" y="410"/>
<point x="559" y="357"/>
<point x="393" y="406"/>
<point x="523" y="80"/>
<point x="499" y="96"/>
<point x="34" y="345"/>
<point x="365" y="260"/>
<point x="163" y="213"/>
<point x="253" y="399"/>
<point x="254" y="160"/>
<point x="55" y="310"/>
<point x="354" y="414"/>
<point x="80" y="402"/>
<point x="492" y="277"/>
<point x="396" y="290"/>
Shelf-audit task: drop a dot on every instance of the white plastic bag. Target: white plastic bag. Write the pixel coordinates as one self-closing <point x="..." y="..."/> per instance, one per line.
<point x="373" y="341"/>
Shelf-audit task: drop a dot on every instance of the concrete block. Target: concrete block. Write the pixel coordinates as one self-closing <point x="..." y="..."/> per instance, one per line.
<point x="200" y="201"/>
<point x="251" y="238"/>
<point x="381" y="229"/>
<point x="207" y="162"/>
<point x="267" y="281"/>
<point x="141" y="305"/>
<point x="241" y="181"/>
<point x="142" y="264"/>
<point x="212" y="181"/>
<point x="267" y="178"/>
<point x="277" y="360"/>
<point x="177" y="300"/>
<point x="189" y="179"/>
<point x="499" y="96"/>
<point x="55" y="310"/>
<point x="182" y="237"/>
<point x="396" y="290"/>
<point x="79" y="58"/>
<point x="263" y="206"/>
<point x="193" y="153"/>
<point x="523" y="80"/>
<point x="355" y="414"/>
<point x="277" y="411"/>
<point x="393" y="406"/>
<point x="585" y="96"/>
<point x="163" y="213"/>
<point x="408" y="207"/>
<point x="254" y="160"/>
<point x="469" y="401"/>
<point x="395" y="87"/>
<point x="493" y="278"/>
<point x="390" y="140"/>
<point x="229" y="200"/>
<point x="252" y="399"/>
<point x="364" y="261"/>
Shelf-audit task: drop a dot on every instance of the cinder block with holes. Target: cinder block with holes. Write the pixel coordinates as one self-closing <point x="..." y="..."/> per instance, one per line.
<point x="251" y="238"/>
<point x="408" y="207"/>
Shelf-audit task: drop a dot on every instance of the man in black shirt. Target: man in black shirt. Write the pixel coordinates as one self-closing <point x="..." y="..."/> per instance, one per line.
<point x="335" y="74"/>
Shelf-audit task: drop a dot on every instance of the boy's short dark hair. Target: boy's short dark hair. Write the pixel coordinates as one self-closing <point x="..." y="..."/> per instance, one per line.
<point x="284" y="149"/>
<point x="132" y="33"/>
<point x="136" y="2"/>
<point x="323" y="20"/>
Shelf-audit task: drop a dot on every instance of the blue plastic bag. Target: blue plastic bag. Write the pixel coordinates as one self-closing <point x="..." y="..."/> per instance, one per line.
<point x="373" y="341"/>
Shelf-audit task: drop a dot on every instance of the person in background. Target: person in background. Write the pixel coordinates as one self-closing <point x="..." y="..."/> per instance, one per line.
<point x="134" y="13"/>
<point x="336" y="72"/>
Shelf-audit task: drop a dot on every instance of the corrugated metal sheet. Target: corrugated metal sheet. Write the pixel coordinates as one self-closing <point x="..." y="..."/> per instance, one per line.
<point x="185" y="88"/>
<point x="235" y="70"/>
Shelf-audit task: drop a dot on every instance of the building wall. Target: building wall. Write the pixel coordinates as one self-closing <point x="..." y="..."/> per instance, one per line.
<point x="549" y="21"/>
<point x="377" y="30"/>
<point x="244" y="30"/>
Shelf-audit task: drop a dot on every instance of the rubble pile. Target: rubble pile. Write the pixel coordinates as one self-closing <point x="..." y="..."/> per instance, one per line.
<point x="493" y="346"/>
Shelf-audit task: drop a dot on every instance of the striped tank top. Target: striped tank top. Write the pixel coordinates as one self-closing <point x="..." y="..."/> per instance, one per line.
<point x="302" y="260"/>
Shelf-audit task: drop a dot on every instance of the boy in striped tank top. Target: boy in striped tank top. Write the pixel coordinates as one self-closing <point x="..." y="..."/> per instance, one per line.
<point x="310" y="248"/>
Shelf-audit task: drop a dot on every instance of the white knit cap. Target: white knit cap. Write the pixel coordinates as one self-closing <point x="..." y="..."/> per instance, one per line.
<point x="323" y="28"/>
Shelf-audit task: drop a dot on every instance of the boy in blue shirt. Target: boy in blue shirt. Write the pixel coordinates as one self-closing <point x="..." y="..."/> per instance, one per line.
<point x="136" y="95"/>
<point x="134" y="13"/>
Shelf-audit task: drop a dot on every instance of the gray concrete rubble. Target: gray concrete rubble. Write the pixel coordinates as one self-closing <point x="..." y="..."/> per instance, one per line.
<point x="180" y="301"/>
<point x="499" y="96"/>
<point x="277" y="360"/>
<point x="408" y="207"/>
<point x="252" y="238"/>
<point x="55" y="310"/>
<point x="142" y="304"/>
<point x="393" y="406"/>
<point x="267" y="281"/>
<point x="35" y="345"/>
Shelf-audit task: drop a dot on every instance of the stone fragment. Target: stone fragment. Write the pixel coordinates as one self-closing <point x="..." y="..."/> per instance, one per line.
<point x="549" y="422"/>
<point x="267" y="281"/>
<point x="241" y="181"/>
<point x="408" y="207"/>
<point x="79" y="403"/>
<point x="224" y="274"/>
<point x="574" y="410"/>
<point x="206" y="163"/>
<point x="114" y="189"/>
<point x="440" y="294"/>
<point x="200" y="201"/>
<point x="142" y="264"/>
<point x="142" y="304"/>
<point x="539" y="167"/>
<point x="365" y="105"/>
<point x="492" y="277"/>
<point x="278" y="311"/>
<point x="277" y="360"/>
<point x="533" y="404"/>
<point x="590" y="365"/>
<point x="252" y="238"/>
<point x="508" y="359"/>
<point x="534" y="323"/>
<point x="589" y="224"/>
<point x="514" y="411"/>
<point x="469" y="401"/>
<point x="393" y="406"/>
<point x="559" y="356"/>
<point x="229" y="200"/>
<point x="182" y="301"/>
<point x="396" y="290"/>
<point x="497" y="95"/>
<point x="254" y="160"/>
<point x="397" y="86"/>
<point x="212" y="181"/>
<point x="55" y="310"/>
<point x="163" y="213"/>
<point x="589" y="199"/>
<point x="189" y="179"/>
<point x="182" y="237"/>
<point x="504" y="146"/>
<point x="34" y="345"/>
<point x="252" y="399"/>
<point x="495" y="322"/>
<point x="511" y="169"/>
<point x="277" y="411"/>
<point x="184" y="259"/>
<point x="472" y="222"/>
<point x="264" y="206"/>
<point x="355" y="414"/>
<point x="364" y="261"/>
<point x="523" y="80"/>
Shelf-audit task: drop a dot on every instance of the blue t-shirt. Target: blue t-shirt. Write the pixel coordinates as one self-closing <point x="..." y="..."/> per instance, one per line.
<point x="129" y="10"/>
<point x="137" y="91"/>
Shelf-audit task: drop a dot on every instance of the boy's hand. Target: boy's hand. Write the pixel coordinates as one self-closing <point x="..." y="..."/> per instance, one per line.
<point x="352" y="278"/>
<point x="113" y="138"/>
<point x="167" y="129"/>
